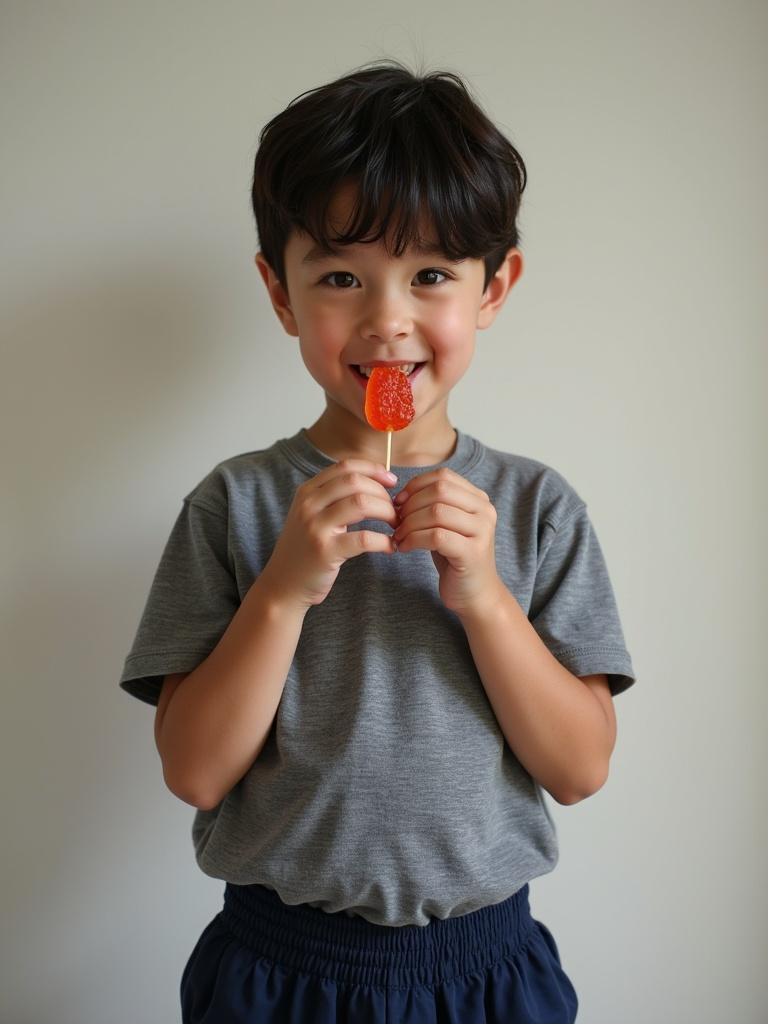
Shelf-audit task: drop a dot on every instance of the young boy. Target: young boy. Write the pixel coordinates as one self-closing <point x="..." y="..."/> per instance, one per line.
<point x="364" y="680"/>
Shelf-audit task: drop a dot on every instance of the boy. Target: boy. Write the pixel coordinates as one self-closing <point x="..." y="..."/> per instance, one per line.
<point x="363" y="687"/>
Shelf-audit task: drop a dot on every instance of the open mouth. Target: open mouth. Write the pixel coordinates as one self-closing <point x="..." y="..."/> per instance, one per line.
<point x="409" y="369"/>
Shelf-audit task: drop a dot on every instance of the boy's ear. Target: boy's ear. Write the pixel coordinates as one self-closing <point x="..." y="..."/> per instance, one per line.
<point x="499" y="287"/>
<point x="278" y="296"/>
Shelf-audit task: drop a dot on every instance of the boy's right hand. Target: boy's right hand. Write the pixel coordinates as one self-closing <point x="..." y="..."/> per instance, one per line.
<point x="315" y="542"/>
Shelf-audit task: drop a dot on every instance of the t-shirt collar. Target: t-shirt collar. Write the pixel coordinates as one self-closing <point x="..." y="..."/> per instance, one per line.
<point x="300" y="450"/>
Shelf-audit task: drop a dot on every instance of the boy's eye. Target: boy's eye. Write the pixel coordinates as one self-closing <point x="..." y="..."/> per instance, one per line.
<point x="343" y="278"/>
<point x="439" y="273"/>
<point x="339" y="273"/>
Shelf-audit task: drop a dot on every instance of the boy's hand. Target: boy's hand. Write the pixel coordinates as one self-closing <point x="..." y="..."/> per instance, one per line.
<point x="315" y="542"/>
<point x="443" y="513"/>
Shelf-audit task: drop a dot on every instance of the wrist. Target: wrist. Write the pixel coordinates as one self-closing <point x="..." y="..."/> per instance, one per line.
<point x="488" y="604"/>
<point x="275" y="601"/>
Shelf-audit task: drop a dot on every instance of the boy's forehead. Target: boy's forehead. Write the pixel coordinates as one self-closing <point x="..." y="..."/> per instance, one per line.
<point x="340" y="215"/>
<point x="341" y="208"/>
<point x="315" y="252"/>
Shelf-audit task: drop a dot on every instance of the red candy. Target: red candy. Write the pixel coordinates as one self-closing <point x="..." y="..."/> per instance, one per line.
<point x="388" y="399"/>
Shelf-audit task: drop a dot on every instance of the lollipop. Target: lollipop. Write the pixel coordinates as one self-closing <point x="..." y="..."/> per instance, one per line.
<point x="388" y="401"/>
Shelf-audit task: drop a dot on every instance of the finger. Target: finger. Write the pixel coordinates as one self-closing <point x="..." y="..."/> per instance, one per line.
<point x="354" y="508"/>
<point x="445" y="542"/>
<point x="444" y="492"/>
<point x="342" y="486"/>
<point x="440" y="480"/>
<point x="441" y="516"/>
<point x="372" y="470"/>
<point x="358" y="542"/>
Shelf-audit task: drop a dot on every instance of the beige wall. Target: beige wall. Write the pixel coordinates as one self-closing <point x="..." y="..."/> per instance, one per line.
<point x="139" y="350"/>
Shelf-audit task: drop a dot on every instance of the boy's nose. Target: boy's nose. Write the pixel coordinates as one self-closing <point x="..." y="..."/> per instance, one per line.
<point x="386" y="320"/>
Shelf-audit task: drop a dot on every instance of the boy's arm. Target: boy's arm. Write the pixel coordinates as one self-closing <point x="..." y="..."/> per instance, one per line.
<point x="561" y="730"/>
<point x="216" y="720"/>
<point x="212" y="724"/>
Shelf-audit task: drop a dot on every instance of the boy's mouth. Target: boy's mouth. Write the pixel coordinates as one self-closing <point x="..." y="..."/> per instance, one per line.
<point x="363" y="371"/>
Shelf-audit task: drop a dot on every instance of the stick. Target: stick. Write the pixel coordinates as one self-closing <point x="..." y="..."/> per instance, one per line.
<point x="389" y="448"/>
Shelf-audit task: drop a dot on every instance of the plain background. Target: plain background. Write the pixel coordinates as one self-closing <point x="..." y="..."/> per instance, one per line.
<point x="139" y="350"/>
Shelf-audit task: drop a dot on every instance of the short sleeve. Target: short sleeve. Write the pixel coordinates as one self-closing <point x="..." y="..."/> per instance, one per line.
<point x="192" y="600"/>
<point x="573" y="607"/>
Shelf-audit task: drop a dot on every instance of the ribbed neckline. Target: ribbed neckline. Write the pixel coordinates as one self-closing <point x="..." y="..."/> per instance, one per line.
<point x="300" y="450"/>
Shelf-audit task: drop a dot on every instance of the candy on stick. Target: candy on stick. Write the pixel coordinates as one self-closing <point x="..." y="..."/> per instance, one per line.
<point x="388" y="401"/>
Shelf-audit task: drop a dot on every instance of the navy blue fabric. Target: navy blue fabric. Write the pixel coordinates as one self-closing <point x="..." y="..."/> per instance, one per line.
<point x="261" y="961"/>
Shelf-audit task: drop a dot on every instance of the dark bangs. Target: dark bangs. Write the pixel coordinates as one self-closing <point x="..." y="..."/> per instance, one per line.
<point x="420" y="152"/>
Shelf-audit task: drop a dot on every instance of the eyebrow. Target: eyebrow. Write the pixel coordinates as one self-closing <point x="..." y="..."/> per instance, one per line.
<point x="318" y="253"/>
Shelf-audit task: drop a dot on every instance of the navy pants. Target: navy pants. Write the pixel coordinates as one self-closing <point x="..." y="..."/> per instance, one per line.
<point x="261" y="961"/>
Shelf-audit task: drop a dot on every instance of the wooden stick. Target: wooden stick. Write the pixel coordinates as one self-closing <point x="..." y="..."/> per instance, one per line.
<point x="389" y="448"/>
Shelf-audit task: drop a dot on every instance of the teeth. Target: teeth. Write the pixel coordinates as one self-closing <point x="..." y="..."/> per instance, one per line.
<point x="407" y="369"/>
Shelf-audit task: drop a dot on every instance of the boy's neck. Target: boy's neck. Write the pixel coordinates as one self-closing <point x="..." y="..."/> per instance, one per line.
<point x="426" y="442"/>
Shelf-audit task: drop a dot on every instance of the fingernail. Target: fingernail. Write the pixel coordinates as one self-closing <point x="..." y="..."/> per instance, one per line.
<point x="400" y="498"/>
<point x="392" y="476"/>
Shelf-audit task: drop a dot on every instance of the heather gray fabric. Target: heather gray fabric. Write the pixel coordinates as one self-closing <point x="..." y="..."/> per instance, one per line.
<point x="385" y="788"/>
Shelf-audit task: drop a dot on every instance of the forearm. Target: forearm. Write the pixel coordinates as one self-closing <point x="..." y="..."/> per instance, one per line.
<point x="218" y="719"/>
<point x="553" y="723"/>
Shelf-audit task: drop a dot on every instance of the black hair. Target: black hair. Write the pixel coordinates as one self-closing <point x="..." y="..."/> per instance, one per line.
<point x="414" y="145"/>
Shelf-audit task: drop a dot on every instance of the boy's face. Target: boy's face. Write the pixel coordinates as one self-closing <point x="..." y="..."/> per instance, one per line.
<point x="362" y="307"/>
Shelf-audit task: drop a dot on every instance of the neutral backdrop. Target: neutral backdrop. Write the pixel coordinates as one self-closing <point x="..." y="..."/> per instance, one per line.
<point x="139" y="349"/>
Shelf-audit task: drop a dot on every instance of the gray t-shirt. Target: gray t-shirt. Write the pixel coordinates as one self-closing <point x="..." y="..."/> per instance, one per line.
<point x="385" y="788"/>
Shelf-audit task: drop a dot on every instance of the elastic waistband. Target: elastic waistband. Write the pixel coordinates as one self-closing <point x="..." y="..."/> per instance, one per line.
<point x="357" y="951"/>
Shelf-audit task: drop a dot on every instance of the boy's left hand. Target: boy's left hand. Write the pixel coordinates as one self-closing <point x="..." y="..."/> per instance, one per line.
<point x="443" y="513"/>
